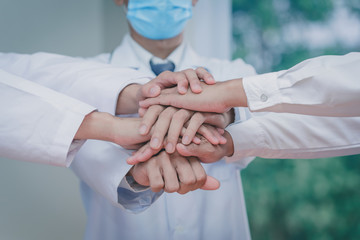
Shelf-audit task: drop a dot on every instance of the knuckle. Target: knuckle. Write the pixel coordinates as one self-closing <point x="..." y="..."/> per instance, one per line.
<point x="201" y="177"/>
<point x="172" y="187"/>
<point x="200" y="69"/>
<point x="156" y="187"/>
<point x="183" y="191"/>
<point x="189" y="180"/>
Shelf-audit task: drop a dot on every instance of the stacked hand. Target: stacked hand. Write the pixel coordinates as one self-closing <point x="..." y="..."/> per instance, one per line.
<point x="172" y="141"/>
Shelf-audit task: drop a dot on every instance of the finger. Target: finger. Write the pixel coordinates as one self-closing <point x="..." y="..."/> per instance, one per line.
<point x="142" y="155"/>
<point x="199" y="172"/>
<point x="216" y="119"/>
<point x="211" y="184"/>
<point x="210" y="133"/>
<point x="175" y="128"/>
<point x="151" y="89"/>
<point x="162" y="100"/>
<point x="203" y="74"/>
<point x="187" y="150"/>
<point x="182" y="83"/>
<point x="142" y="111"/>
<point x="150" y="118"/>
<point x="169" y="174"/>
<point x="220" y="130"/>
<point x="170" y="79"/>
<point x="186" y="175"/>
<point x="155" y="179"/>
<point x="193" y="79"/>
<point x="161" y="127"/>
<point x="196" y="139"/>
<point x="194" y="124"/>
<point x="164" y="80"/>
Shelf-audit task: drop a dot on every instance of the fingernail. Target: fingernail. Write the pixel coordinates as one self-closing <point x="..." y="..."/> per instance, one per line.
<point x="223" y="140"/>
<point x="130" y="161"/>
<point x="154" y="143"/>
<point x="197" y="140"/>
<point x="186" y="140"/>
<point x="182" y="90"/>
<point x="169" y="148"/>
<point x="142" y="129"/>
<point x="197" y="87"/>
<point x="153" y="91"/>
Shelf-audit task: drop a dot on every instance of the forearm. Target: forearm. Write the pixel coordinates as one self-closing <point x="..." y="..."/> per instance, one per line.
<point x="96" y="125"/>
<point x="128" y="102"/>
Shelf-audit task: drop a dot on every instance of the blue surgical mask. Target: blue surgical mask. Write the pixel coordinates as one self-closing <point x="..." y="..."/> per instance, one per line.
<point x="159" y="19"/>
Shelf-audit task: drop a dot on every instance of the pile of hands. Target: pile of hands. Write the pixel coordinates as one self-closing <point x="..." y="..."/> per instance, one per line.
<point x="171" y="140"/>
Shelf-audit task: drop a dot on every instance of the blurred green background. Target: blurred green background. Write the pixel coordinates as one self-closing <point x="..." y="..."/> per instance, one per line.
<point x="303" y="198"/>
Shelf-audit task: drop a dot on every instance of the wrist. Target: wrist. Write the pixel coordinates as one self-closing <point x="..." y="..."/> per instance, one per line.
<point x="235" y="93"/>
<point x="93" y="125"/>
<point x="128" y="101"/>
<point x="229" y="145"/>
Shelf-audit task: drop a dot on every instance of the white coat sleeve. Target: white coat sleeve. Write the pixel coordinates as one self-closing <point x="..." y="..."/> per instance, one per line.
<point x="283" y="135"/>
<point x="323" y="86"/>
<point x="102" y="166"/>
<point x="38" y="124"/>
<point x="94" y="83"/>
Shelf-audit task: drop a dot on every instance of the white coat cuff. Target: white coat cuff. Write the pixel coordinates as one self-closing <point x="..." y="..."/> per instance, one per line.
<point x="64" y="140"/>
<point x="110" y="90"/>
<point x="263" y="91"/>
<point x="129" y="183"/>
<point x="248" y="138"/>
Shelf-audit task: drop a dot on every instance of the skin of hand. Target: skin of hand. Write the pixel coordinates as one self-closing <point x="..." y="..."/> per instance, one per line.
<point x="228" y="94"/>
<point x="207" y="152"/>
<point x="129" y="97"/>
<point x="173" y="173"/>
<point x="145" y="152"/>
<point x="104" y="126"/>
<point x="170" y="121"/>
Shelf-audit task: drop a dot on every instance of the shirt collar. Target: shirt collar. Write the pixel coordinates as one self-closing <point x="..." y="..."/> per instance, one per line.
<point x="144" y="56"/>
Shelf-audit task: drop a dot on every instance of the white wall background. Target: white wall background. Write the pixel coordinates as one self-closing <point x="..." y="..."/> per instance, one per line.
<point x="43" y="202"/>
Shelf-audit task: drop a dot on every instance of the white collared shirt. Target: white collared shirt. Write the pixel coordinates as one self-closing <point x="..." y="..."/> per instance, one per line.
<point x="145" y="56"/>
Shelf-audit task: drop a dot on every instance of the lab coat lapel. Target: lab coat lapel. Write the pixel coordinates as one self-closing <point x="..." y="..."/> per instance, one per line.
<point x="124" y="56"/>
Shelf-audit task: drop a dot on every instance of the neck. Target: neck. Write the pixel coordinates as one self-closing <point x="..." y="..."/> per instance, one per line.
<point x="159" y="48"/>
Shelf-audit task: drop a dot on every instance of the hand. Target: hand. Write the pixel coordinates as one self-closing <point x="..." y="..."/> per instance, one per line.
<point x="173" y="173"/>
<point x="106" y="127"/>
<point x="219" y="98"/>
<point x="207" y="152"/>
<point x="125" y="133"/>
<point x="170" y="121"/>
<point x="182" y="79"/>
<point x="129" y="97"/>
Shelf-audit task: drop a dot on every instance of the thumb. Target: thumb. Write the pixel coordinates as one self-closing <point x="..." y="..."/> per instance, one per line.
<point x="211" y="184"/>
<point x="187" y="150"/>
<point x="150" y="89"/>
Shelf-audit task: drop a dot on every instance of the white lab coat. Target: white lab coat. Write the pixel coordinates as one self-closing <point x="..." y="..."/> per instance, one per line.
<point x="210" y="215"/>
<point x="37" y="123"/>
<point x="324" y="86"/>
<point x="327" y="85"/>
